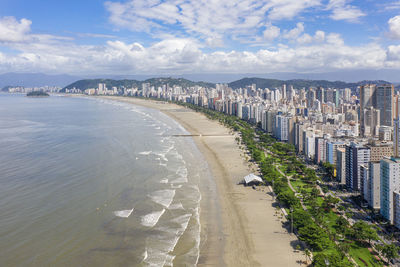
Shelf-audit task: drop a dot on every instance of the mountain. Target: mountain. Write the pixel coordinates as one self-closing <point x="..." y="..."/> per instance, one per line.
<point x="93" y="83"/>
<point x="297" y="83"/>
<point x="35" y="79"/>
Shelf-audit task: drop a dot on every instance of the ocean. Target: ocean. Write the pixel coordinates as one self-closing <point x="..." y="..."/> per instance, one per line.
<point x="94" y="182"/>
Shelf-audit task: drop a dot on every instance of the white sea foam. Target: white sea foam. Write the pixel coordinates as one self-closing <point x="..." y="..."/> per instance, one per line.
<point x="177" y="206"/>
<point x="176" y="186"/>
<point x="182" y="173"/>
<point x="161" y="156"/>
<point x="123" y="213"/>
<point x="169" y="261"/>
<point x="145" y="153"/>
<point x="163" y="197"/>
<point x="151" y="219"/>
<point x="164" y="181"/>
<point x="145" y="255"/>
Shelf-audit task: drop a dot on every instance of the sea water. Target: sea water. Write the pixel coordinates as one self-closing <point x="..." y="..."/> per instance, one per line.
<point x="94" y="182"/>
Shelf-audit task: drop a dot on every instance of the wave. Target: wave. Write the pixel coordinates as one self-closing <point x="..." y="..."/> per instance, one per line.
<point x="177" y="206"/>
<point x="123" y="213"/>
<point x="163" y="197"/>
<point x="152" y="219"/>
<point x="145" y="153"/>
<point x="182" y="172"/>
<point x="164" y="181"/>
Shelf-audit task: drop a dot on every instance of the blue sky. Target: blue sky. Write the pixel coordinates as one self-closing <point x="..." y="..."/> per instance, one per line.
<point x="198" y="36"/>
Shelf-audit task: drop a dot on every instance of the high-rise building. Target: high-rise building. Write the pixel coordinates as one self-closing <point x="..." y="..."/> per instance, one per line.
<point x="310" y="98"/>
<point x="370" y="121"/>
<point x="320" y="149"/>
<point x="331" y="151"/>
<point x="320" y="94"/>
<point x="281" y="127"/>
<point x="356" y="155"/>
<point x="390" y="183"/>
<point x="367" y="100"/>
<point x="284" y="92"/>
<point x="341" y="165"/>
<point x="364" y="179"/>
<point x="385" y="133"/>
<point x="385" y="103"/>
<point x="374" y="185"/>
<point x="396" y="132"/>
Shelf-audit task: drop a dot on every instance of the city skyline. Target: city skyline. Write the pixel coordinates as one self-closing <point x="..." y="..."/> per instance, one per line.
<point x="202" y="37"/>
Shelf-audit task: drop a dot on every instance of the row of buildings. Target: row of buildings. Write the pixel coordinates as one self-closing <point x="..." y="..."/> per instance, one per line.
<point x="357" y="131"/>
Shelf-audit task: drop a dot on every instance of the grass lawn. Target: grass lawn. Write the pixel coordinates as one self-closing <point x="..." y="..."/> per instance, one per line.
<point x="299" y="184"/>
<point x="330" y="219"/>
<point x="357" y="253"/>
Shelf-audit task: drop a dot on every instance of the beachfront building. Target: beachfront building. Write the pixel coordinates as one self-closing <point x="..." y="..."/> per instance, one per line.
<point x="390" y="183"/>
<point x="341" y="165"/>
<point x="356" y="155"/>
<point x="331" y="150"/>
<point x="281" y="127"/>
<point x="372" y="186"/>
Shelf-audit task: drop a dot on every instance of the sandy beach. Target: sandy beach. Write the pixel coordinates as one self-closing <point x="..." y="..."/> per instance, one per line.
<point x="240" y="226"/>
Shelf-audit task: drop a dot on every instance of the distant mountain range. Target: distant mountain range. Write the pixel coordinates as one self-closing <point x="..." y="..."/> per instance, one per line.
<point x="262" y="80"/>
<point x="242" y="83"/>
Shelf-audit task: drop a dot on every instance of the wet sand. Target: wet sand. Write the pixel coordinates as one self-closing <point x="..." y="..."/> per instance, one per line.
<point x="240" y="226"/>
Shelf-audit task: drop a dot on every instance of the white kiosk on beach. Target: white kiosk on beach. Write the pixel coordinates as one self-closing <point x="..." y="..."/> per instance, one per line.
<point x="252" y="179"/>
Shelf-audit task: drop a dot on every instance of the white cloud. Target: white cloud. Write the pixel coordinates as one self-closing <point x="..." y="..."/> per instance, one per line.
<point x="271" y="33"/>
<point x="12" y="30"/>
<point x="392" y="6"/>
<point x="295" y="32"/>
<point x="305" y="39"/>
<point x="306" y="53"/>
<point x="341" y="10"/>
<point x="394" y="27"/>
<point x="175" y="56"/>
<point x="393" y="53"/>
<point x="204" y="19"/>
<point x="319" y="36"/>
<point x="287" y="9"/>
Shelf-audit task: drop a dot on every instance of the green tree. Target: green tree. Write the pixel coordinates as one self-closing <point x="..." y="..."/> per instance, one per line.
<point x="288" y="198"/>
<point x="341" y="225"/>
<point x="390" y="252"/>
<point x="329" y="202"/>
<point x="364" y="232"/>
<point x="301" y="218"/>
<point x="329" y="168"/>
<point x="314" y="236"/>
<point x="331" y="260"/>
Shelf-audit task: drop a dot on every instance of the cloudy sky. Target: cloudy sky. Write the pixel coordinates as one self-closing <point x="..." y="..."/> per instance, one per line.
<point x="198" y="36"/>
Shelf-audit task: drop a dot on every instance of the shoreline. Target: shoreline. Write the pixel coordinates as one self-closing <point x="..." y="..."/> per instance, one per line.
<point x="239" y="225"/>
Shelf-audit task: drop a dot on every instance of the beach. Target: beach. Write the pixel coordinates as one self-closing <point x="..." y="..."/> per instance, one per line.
<point x="240" y="226"/>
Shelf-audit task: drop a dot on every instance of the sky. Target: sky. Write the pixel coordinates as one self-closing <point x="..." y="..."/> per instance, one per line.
<point x="161" y="37"/>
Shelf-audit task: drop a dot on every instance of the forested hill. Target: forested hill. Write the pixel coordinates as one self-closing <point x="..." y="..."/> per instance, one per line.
<point x="272" y="83"/>
<point x="156" y="82"/>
